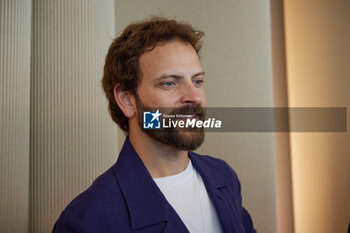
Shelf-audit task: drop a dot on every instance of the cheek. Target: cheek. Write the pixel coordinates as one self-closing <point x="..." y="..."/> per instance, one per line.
<point x="153" y="98"/>
<point x="165" y="101"/>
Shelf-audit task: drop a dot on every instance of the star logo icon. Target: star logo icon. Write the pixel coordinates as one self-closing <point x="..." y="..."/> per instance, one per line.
<point x="156" y="115"/>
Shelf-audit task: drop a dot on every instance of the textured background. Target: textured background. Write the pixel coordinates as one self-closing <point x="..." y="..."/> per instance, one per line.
<point x="72" y="138"/>
<point x="14" y="114"/>
<point x="318" y="71"/>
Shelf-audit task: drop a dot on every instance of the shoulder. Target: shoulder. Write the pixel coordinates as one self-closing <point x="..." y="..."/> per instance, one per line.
<point x="103" y="191"/>
<point x="101" y="203"/>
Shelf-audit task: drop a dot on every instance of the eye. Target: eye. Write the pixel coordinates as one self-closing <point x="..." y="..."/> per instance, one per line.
<point x="168" y="84"/>
<point x="198" y="82"/>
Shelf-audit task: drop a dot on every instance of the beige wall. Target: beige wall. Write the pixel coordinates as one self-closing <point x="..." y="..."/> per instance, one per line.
<point x="72" y="139"/>
<point x="14" y="114"/>
<point x="318" y="64"/>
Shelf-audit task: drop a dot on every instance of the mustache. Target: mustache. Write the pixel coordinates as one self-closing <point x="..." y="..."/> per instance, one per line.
<point x="189" y="110"/>
<point x="185" y="110"/>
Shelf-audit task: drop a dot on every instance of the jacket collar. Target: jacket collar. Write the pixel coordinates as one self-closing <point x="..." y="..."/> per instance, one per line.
<point x="216" y="186"/>
<point x="207" y="174"/>
<point x="146" y="203"/>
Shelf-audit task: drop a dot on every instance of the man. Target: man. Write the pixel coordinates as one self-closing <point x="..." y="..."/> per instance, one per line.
<point x="157" y="183"/>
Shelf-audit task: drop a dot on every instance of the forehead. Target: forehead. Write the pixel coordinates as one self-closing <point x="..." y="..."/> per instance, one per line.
<point x="175" y="56"/>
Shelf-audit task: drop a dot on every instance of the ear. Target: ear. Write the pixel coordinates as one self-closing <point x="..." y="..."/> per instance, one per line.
<point x="125" y="100"/>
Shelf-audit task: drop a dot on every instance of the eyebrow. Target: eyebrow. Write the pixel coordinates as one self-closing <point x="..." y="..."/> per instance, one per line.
<point x="163" y="76"/>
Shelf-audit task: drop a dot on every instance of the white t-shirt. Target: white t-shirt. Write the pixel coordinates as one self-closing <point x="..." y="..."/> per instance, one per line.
<point x="187" y="194"/>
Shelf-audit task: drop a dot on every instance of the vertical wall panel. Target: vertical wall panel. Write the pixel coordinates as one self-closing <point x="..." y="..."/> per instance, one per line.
<point x="318" y="65"/>
<point x="14" y="114"/>
<point x="284" y="198"/>
<point x="237" y="60"/>
<point x="73" y="138"/>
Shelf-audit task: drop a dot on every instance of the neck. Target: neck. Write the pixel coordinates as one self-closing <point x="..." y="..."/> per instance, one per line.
<point x="160" y="160"/>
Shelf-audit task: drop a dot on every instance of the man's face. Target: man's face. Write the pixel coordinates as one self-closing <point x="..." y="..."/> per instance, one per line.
<point x="172" y="77"/>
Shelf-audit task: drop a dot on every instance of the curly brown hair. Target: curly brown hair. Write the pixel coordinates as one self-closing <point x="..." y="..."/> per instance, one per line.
<point x="122" y="60"/>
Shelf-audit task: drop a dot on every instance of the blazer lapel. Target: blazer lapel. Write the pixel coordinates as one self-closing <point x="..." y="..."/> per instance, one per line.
<point x="218" y="190"/>
<point x="147" y="205"/>
<point x="175" y="224"/>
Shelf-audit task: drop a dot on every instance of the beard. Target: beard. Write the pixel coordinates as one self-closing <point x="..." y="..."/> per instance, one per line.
<point x="180" y="138"/>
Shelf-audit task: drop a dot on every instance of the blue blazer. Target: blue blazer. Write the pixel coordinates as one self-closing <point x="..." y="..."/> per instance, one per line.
<point x="126" y="199"/>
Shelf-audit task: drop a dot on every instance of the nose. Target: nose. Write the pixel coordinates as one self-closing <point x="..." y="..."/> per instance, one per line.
<point x="192" y="95"/>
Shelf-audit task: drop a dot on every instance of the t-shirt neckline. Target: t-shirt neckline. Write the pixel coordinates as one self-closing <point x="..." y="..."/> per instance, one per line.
<point x="175" y="180"/>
